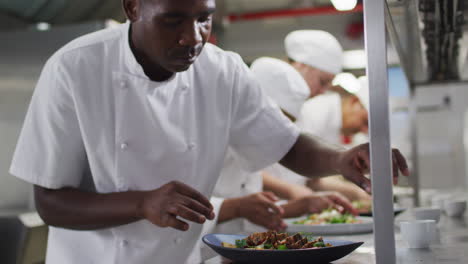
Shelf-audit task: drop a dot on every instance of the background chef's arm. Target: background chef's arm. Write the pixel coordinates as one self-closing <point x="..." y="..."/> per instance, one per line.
<point x="258" y="208"/>
<point x="312" y="158"/>
<point x="337" y="184"/>
<point x="75" y="209"/>
<point x="284" y="189"/>
<point x="229" y="209"/>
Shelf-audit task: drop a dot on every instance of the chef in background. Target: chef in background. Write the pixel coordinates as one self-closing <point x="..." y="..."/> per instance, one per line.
<point x="317" y="56"/>
<point x="333" y="116"/>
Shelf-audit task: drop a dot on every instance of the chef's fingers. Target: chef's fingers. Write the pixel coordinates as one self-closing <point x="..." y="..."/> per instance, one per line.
<point x="196" y="206"/>
<point x="272" y="207"/>
<point x="186" y="213"/>
<point x="402" y="165"/>
<point x="343" y="202"/>
<point x="363" y="157"/>
<point x="394" y="169"/>
<point x="172" y="221"/>
<point x="360" y="180"/>
<point x="271" y="196"/>
<point x="271" y="222"/>
<point x="186" y="190"/>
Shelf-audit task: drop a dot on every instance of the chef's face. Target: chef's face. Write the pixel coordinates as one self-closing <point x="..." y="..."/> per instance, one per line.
<point x="355" y="116"/>
<point x="317" y="80"/>
<point x="170" y="34"/>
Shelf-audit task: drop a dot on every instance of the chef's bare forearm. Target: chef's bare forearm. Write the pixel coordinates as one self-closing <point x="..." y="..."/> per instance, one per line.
<point x="282" y="188"/>
<point x="312" y="157"/>
<point x="74" y="209"/>
<point x="229" y="210"/>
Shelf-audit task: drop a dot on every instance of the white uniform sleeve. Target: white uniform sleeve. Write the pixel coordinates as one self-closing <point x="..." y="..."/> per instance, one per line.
<point x="260" y="133"/>
<point x="209" y="226"/>
<point x="50" y="151"/>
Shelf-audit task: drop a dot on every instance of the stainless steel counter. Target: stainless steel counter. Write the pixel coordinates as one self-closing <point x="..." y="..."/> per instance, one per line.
<point x="451" y="246"/>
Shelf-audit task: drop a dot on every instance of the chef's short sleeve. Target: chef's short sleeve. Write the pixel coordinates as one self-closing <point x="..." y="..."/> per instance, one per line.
<point x="50" y="151"/>
<point x="260" y="133"/>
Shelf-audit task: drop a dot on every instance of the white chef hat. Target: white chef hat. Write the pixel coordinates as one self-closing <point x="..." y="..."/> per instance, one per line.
<point x="363" y="93"/>
<point x="282" y="83"/>
<point x="315" y="48"/>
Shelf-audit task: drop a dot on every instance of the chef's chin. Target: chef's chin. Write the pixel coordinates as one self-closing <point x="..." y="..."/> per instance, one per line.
<point x="180" y="67"/>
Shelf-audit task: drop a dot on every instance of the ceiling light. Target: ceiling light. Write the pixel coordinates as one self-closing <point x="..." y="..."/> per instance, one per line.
<point x="344" y="5"/>
<point x="42" y="26"/>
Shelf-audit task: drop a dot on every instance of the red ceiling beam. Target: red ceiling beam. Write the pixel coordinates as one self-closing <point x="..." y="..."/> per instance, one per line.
<point x="323" y="10"/>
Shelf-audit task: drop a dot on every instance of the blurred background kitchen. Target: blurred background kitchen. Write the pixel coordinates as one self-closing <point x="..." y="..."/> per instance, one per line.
<point x="427" y="70"/>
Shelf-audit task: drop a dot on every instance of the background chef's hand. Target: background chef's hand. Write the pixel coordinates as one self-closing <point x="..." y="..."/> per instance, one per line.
<point x="316" y="203"/>
<point x="354" y="163"/>
<point x="260" y="209"/>
<point x="173" y="201"/>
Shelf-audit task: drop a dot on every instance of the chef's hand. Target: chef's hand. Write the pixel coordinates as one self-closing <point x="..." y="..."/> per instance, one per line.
<point x="260" y="209"/>
<point x="316" y="203"/>
<point x="167" y="205"/>
<point x="354" y="163"/>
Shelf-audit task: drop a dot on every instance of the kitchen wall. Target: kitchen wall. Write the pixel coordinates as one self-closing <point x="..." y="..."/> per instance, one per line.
<point x="442" y="134"/>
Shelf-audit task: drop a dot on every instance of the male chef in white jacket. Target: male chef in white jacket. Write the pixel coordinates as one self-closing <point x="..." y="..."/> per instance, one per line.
<point x="128" y="127"/>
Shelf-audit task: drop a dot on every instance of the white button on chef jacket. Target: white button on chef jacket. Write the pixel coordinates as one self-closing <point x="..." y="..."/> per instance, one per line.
<point x="80" y="116"/>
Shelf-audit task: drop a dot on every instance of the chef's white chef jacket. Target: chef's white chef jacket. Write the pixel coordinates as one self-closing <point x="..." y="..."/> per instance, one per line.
<point x="321" y="116"/>
<point x="235" y="181"/>
<point x="96" y="122"/>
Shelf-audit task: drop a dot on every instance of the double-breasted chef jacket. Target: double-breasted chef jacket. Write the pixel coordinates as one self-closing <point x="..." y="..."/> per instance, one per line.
<point x="97" y="122"/>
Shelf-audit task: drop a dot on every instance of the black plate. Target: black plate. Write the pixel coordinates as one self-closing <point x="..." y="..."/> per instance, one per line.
<point x="339" y="249"/>
<point x="396" y="212"/>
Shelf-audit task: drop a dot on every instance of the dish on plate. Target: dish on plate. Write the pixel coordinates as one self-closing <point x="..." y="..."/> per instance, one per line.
<point x="361" y="226"/>
<point x="328" y="216"/>
<point x="273" y="240"/>
<point x="337" y="250"/>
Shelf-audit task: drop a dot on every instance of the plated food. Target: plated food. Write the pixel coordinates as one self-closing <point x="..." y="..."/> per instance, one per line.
<point x="328" y="216"/>
<point x="333" y="250"/>
<point x="272" y="240"/>
<point x="362" y="206"/>
<point x="330" y="222"/>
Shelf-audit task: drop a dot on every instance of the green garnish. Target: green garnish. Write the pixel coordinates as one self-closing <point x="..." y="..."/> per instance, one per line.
<point x="319" y="244"/>
<point x="241" y="243"/>
<point x="282" y="247"/>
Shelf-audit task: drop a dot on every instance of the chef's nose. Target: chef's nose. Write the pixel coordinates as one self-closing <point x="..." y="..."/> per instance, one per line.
<point x="191" y="35"/>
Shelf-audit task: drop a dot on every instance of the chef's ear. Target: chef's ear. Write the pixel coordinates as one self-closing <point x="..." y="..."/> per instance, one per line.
<point x="132" y="9"/>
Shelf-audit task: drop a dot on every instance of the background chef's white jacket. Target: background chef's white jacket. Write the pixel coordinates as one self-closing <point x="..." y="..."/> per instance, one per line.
<point x="321" y="116"/>
<point x="96" y="122"/>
